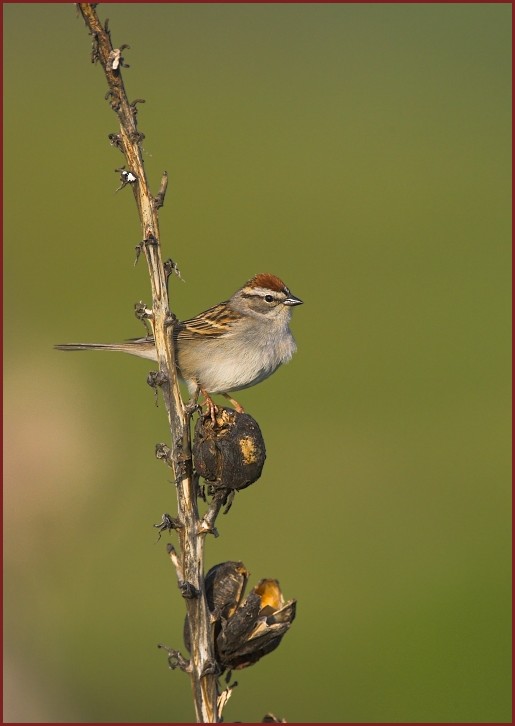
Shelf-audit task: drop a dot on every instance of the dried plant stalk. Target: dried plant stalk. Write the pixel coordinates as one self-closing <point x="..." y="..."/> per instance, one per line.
<point x="191" y="529"/>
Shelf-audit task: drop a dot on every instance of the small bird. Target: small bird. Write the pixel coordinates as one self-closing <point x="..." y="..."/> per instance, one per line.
<point x="228" y="347"/>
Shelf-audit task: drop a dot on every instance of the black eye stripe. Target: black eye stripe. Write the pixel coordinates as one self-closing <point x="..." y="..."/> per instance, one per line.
<point x="260" y="295"/>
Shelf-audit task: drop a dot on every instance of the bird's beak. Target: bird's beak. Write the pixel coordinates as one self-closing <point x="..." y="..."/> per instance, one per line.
<point x="293" y="300"/>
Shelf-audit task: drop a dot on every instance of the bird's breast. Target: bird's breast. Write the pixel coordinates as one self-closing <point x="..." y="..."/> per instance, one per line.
<point x="233" y="362"/>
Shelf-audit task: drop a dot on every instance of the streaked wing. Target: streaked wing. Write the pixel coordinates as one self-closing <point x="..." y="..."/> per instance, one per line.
<point x="210" y="324"/>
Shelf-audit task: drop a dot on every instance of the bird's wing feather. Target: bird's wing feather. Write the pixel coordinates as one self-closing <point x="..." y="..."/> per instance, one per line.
<point x="210" y="324"/>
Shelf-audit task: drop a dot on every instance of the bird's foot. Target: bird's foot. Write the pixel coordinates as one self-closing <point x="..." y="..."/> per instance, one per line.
<point x="212" y="410"/>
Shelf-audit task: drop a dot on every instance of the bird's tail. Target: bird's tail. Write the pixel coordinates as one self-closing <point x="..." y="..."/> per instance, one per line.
<point x="142" y="347"/>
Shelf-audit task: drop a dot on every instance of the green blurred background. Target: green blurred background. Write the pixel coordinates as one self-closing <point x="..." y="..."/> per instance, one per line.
<point x="362" y="153"/>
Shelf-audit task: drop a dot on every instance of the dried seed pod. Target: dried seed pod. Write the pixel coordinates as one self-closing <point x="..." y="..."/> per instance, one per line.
<point x="231" y="453"/>
<point x="256" y="628"/>
<point x="225" y="585"/>
<point x="244" y="631"/>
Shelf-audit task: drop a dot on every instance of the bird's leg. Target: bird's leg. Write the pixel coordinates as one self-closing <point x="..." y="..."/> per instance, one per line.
<point x="236" y="405"/>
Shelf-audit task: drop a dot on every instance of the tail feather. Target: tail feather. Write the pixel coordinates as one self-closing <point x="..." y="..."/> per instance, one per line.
<point x="87" y="346"/>
<point x="142" y="347"/>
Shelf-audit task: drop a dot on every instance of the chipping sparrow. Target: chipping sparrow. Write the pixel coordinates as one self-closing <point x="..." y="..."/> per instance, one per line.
<point x="231" y="346"/>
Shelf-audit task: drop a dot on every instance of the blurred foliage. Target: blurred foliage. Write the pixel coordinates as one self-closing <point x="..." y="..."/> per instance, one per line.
<point x="362" y="153"/>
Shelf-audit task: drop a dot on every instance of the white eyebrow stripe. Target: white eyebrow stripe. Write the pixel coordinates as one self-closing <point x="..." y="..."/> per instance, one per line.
<point x="261" y="291"/>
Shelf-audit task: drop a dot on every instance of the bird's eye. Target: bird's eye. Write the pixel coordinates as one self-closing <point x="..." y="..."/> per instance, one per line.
<point x="269" y="298"/>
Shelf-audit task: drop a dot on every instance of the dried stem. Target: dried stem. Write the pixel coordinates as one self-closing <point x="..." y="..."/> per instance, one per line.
<point x="202" y="667"/>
